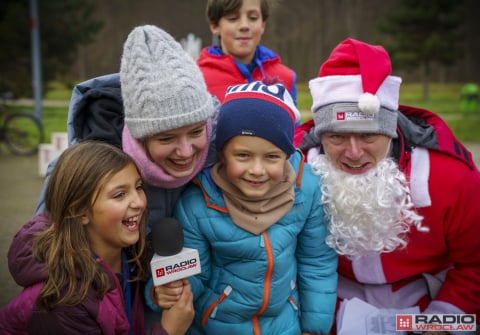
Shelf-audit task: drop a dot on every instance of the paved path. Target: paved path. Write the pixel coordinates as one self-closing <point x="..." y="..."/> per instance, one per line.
<point x="21" y="185"/>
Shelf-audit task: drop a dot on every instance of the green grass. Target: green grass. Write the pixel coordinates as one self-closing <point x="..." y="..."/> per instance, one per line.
<point x="54" y="120"/>
<point x="444" y="98"/>
<point x="304" y="99"/>
<point x="444" y="101"/>
<point x="58" y="91"/>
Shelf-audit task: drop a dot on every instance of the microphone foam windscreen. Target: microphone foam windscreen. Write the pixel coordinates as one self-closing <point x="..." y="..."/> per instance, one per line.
<point x="167" y="237"/>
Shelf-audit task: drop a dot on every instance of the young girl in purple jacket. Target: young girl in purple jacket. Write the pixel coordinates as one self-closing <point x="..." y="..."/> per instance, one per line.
<point x="90" y="252"/>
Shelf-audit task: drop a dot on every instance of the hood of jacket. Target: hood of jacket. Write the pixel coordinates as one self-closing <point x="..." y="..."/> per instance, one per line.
<point x="96" y="111"/>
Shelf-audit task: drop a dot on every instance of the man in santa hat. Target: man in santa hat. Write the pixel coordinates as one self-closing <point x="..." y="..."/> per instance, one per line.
<point x="402" y="193"/>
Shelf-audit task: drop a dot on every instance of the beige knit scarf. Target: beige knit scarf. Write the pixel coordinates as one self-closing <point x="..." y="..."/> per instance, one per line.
<point x="256" y="215"/>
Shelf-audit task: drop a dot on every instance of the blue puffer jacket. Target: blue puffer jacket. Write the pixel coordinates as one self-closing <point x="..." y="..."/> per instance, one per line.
<point x="282" y="281"/>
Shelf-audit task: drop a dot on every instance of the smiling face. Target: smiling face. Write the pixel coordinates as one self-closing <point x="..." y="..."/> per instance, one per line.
<point x="113" y="222"/>
<point x="355" y="153"/>
<point x="241" y="31"/>
<point x="178" y="151"/>
<point x="253" y="165"/>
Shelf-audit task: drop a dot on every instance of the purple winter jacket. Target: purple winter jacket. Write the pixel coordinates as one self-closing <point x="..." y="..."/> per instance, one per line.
<point x="91" y="316"/>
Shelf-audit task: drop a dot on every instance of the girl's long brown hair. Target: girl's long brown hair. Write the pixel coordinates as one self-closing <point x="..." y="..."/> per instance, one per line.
<point x="64" y="247"/>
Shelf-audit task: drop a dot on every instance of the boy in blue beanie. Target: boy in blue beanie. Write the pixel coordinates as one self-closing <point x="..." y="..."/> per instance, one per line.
<point x="256" y="219"/>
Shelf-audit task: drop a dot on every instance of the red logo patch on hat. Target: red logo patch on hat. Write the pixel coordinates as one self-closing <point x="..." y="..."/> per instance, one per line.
<point x="340" y="116"/>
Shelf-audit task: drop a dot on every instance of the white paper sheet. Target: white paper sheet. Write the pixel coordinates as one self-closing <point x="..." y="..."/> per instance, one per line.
<point x="356" y="317"/>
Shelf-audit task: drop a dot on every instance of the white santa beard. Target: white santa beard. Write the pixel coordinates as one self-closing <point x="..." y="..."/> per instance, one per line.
<point x="371" y="212"/>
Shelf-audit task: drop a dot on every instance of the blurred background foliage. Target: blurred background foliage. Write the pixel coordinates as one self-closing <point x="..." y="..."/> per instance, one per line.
<point x="65" y="25"/>
<point x="429" y="41"/>
<point x="433" y="44"/>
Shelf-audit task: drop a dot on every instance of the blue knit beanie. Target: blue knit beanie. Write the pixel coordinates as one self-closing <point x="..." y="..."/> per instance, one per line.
<point x="256" y="109"/>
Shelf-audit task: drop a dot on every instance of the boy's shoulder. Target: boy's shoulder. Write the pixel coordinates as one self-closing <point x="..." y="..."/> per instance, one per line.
<point x="306" y="179"/>
<point x="202" y="186"/>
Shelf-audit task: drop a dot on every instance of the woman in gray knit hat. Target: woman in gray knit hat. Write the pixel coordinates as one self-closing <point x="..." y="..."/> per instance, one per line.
<point x="168" y="123"/>
<point x="163" y="117"/>
<point x="167" y="108"/>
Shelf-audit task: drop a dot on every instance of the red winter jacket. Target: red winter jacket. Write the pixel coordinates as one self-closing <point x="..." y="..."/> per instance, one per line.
<point x="445" y="188"/>
<point x="221" y="71"/>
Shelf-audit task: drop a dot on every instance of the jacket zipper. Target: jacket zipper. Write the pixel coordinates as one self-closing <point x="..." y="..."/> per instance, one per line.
<point x="212" y="309"/>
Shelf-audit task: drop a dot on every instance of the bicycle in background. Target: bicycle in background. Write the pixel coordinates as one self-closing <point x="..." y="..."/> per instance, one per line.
<point x="21" y="131"/>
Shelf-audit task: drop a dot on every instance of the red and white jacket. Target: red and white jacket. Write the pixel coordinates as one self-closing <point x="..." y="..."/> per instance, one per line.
<point x="221" y="71"/>
<point x="438" y="271"/>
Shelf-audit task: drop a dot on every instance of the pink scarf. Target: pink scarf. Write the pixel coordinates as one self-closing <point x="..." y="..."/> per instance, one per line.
<point x="150" y="171"/>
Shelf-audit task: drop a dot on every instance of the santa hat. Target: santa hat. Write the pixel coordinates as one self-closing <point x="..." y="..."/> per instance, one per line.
<point x="256" y="109"/>
<point x="354" y="91"/>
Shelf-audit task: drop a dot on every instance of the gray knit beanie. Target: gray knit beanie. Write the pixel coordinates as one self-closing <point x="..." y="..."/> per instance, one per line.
<point x="162" y="87"/>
